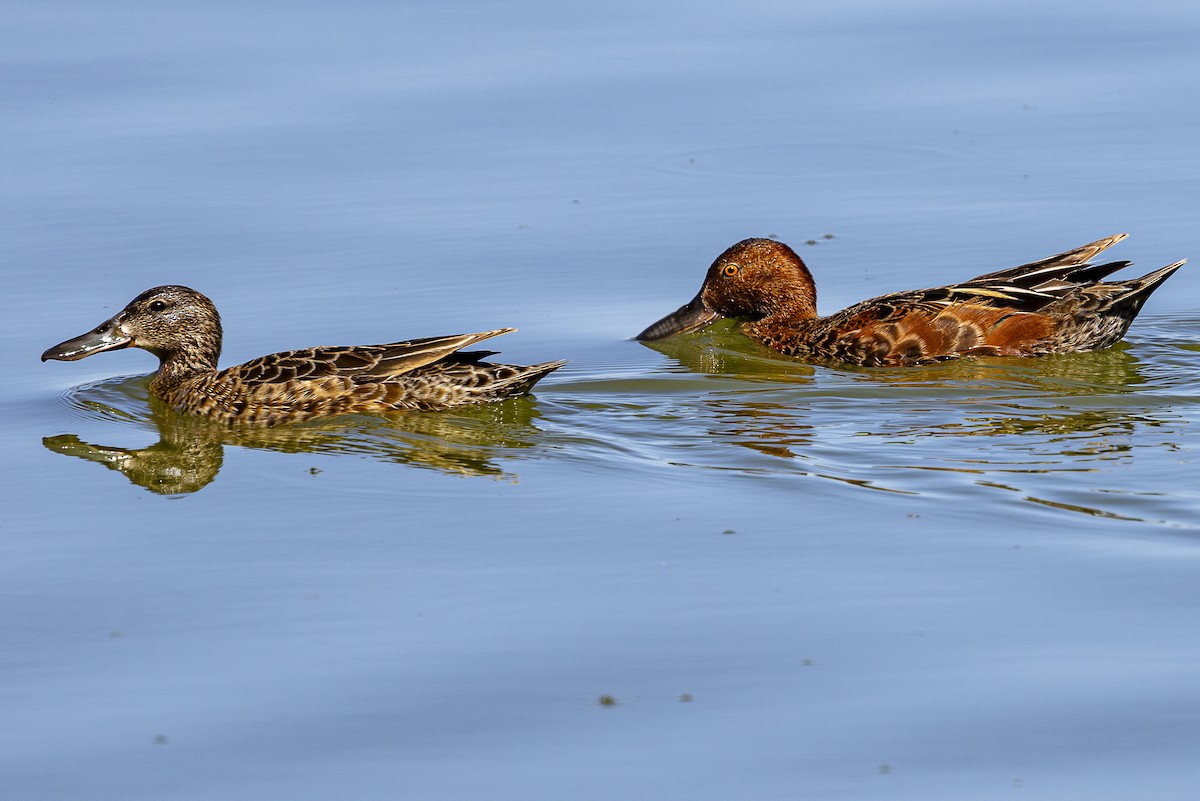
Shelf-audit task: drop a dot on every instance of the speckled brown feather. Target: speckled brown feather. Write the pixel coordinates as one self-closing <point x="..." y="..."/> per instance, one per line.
<point x="182" y="327"/>
<point x="1055" y="305"/>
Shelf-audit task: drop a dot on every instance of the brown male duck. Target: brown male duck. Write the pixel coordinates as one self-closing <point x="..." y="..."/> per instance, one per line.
<point x="181" y="327"/>
<point x="1056" y="305"/>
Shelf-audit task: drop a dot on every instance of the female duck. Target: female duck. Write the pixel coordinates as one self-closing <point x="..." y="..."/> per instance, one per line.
<point x="182" y="328"/>
<point x="1056" y="305"/>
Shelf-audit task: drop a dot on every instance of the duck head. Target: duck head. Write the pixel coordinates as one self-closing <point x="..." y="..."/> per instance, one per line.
<point x="172" y="322"/>
<point x="753" y="280"/>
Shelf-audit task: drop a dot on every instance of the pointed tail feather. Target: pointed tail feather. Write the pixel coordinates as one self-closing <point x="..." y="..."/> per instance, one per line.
<point x="1089" y="273"/>
<point x="1140" y="288"/>
<point x="524" y="380"/>
<point x="399" y="358"/>
<point x="1052" y="267"/>
<point x="1086" y="253"/>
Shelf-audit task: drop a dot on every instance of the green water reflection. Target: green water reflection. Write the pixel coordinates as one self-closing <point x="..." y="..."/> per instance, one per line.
<point x="1053" y="427"/>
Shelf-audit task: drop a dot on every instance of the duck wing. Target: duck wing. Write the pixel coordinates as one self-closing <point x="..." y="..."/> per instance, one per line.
<point x="1024" y="288"/>
<point x="359" y="363"/>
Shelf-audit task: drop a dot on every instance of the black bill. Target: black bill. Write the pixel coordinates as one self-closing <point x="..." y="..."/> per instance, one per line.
<point x="687" y="318"/>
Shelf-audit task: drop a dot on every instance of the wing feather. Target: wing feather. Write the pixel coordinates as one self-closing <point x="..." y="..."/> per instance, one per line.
<point x="358" y="361"/>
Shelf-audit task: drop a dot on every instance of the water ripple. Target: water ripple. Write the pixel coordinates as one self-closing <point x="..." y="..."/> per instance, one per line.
<point x="1064" y="434"/>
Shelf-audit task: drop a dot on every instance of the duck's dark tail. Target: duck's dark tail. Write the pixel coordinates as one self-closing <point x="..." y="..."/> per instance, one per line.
<point x="1137" y="290"/>
<point x="1097" y="315"/>
<point x="506" y="380"/>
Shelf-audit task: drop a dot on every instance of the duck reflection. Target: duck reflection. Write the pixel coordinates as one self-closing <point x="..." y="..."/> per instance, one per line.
<point x="766" y="428"/>
<point x="1043" y="398"/>
<point x="885" y="429"/>
<point x="984" y="398"/>
<point x="190" y="449"/>
<point x="721" y="350"/>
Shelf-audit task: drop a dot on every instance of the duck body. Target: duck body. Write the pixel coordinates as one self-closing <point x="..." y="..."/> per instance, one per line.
<point x="181" y="326"/>
<point x="1056" y="305"/>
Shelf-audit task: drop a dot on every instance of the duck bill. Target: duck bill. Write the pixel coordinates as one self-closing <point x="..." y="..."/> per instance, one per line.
<point x="687" y="318"/>
<point x="107" y="336"/>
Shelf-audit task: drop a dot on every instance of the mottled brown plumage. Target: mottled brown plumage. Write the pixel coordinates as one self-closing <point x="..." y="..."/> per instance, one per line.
<point x="1056" y="305"/>
<point x="182" y="327"/>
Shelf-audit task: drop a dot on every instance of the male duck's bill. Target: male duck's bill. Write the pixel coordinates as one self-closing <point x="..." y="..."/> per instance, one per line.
<point x="692" y="317"/>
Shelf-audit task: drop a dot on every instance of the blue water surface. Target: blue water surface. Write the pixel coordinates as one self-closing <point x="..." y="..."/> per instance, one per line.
<point x="695" y="571"/>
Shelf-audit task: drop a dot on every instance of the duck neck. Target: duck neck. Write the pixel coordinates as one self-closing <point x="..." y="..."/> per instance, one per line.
<point x="787" y="325"/>
<point x="191" y="359"/>
<point x="793" y="308"/>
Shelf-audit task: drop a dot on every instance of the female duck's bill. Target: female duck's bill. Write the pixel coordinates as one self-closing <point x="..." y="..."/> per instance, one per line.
<point x="109" y="335"/>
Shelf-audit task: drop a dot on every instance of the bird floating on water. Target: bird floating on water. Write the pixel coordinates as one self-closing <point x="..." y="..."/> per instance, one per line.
<point x="182" y="328"/>
<point x="1056" y="305"/>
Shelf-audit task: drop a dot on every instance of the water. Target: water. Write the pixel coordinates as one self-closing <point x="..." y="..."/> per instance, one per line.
<point x="692" y="571"/>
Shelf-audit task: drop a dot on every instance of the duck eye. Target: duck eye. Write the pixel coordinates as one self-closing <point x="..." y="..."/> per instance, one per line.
<point x="730" y="270"/>
<point x="158" y="305"/>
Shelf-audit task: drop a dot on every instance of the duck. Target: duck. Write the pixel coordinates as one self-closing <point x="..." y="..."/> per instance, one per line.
<point x="1058" y="304"/>
<point x="181" y="327"/>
